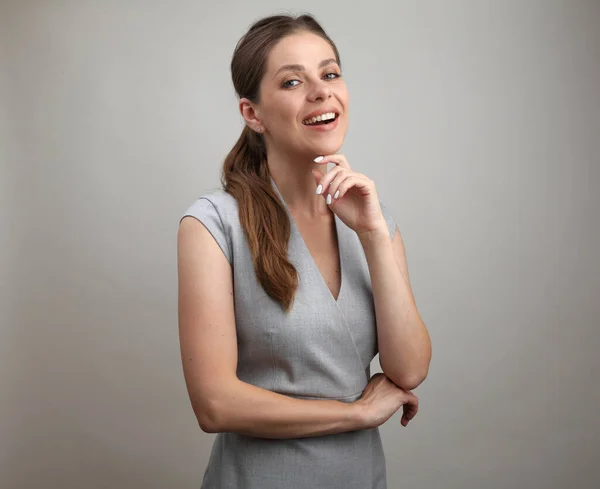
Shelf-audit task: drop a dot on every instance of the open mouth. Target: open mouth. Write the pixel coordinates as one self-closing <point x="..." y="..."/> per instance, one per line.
<point x="324" y="121"/>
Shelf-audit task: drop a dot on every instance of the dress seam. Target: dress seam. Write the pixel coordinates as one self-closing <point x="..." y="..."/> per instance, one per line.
<point x="358" y="394"/>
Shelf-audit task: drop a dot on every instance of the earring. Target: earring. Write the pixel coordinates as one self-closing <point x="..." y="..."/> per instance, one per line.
<point x="258" y="129"/>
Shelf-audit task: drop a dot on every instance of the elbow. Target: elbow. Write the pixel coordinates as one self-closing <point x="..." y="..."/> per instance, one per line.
<point x="207" y="419"/>
<point x="412" y="372"/>
<point x="407" y="381"/>
<point x="417" y="378"/>
<point x="207" y="425"/>
<point x="210" y="404"/>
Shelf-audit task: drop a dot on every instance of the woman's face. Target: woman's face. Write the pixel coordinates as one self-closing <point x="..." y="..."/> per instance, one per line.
<point x="303" y="80"/>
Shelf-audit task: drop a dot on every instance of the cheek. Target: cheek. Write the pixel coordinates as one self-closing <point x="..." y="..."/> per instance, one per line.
<point x="344" y="96"/>
<point x="285" y="112"/>
<point x="288" y="114"/>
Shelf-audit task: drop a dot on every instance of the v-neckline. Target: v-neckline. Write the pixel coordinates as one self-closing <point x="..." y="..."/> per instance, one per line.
<point x="309" y="256"/>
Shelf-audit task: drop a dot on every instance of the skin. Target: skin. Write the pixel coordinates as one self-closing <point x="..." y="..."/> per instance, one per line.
<point x="206" y="306"/>
<point x="286" y="98"/>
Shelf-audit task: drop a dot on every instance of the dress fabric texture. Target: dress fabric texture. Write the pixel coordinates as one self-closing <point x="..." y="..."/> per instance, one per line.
<point x="321" y="349"/>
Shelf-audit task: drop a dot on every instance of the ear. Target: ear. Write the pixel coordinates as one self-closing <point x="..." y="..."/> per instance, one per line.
<point x="250" y="113"/>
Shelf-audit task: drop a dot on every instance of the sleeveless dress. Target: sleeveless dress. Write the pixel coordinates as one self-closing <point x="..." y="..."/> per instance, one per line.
<point x="321" y="349"/>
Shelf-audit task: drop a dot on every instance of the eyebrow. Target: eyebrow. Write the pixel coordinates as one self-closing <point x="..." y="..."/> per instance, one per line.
<point x="322" y="64"/>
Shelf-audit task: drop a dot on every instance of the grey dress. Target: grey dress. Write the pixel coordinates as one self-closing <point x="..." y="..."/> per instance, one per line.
<point x="321" y="349"/>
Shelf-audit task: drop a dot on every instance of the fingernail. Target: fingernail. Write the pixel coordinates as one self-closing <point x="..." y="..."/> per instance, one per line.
<point x="329" y="198"/>
<point x="336" y="194"/>
<point x="318" y="158"/>
<point x="319" y="189"/>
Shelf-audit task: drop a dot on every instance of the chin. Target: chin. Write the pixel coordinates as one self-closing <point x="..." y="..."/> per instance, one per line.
<point x="328" y="147"/>
<point x="328" y="143"/>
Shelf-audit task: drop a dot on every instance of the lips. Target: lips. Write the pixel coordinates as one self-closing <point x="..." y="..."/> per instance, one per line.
<point x="323" y="111"/>
<point x="323" y="127"/>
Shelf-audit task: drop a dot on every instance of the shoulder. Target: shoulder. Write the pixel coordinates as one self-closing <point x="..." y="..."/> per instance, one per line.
<point x="217" y="202"/>
<point x="218" y="212"/>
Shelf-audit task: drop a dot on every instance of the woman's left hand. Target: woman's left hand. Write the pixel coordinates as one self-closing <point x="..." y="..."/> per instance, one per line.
<point x="353" y="196"/>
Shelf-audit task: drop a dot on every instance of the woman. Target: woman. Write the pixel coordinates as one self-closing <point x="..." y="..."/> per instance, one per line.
<point x="291" y="280"/>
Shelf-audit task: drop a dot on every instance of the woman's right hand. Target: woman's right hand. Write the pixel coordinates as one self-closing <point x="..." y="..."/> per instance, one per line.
<point x="382" y="398"/>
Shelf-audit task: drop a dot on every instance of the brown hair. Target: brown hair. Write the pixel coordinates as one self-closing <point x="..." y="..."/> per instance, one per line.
<point x="245" y="172"/>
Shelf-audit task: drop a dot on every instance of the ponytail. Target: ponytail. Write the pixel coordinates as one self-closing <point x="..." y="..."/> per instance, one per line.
<point x="262" y="216"/>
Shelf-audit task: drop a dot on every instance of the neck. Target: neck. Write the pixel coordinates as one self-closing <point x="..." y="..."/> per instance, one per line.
<point x="296" y="184"/>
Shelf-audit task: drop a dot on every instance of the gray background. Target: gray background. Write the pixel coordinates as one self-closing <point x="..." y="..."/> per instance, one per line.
<point x="479" y="122"/>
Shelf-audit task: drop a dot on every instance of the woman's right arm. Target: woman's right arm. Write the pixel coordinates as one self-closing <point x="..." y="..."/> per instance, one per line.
<point x="208" y="343"/>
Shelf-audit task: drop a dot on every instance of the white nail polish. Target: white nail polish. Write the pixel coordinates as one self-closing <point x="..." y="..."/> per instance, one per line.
<point x="336" y="194"/>
<point x="328" y="198"/>
<point x="319" y="189"/>
<point x="318" y="158"/>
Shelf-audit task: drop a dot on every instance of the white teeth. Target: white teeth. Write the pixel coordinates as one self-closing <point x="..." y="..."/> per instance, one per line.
<point x="319" y="118"/>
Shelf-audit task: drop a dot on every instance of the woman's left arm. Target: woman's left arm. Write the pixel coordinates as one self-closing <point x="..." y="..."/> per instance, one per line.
<point x="403" y="340"/>
<point x="402" y="337"/>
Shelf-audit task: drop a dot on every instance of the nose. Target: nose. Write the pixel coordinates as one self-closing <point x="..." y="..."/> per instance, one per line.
<point x="320" y="91"/>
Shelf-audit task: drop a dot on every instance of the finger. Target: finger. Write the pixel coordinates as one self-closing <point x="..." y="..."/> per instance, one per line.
<point x="326" y="180"/>
<point x="337" y="159"/>
<point x="334" y="187"/>
<point x="361" y="183"/>
<point x="411" y="408"/>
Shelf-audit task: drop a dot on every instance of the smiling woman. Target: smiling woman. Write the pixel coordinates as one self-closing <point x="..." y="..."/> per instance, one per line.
<point x="281" y="276"/>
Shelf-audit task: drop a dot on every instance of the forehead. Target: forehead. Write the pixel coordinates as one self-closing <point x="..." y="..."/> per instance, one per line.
<point x="303" y="48"/>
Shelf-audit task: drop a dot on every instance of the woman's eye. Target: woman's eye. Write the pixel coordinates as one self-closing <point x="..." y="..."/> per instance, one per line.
<point x="286" y="83"/>
<point x="327" y="76"/>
